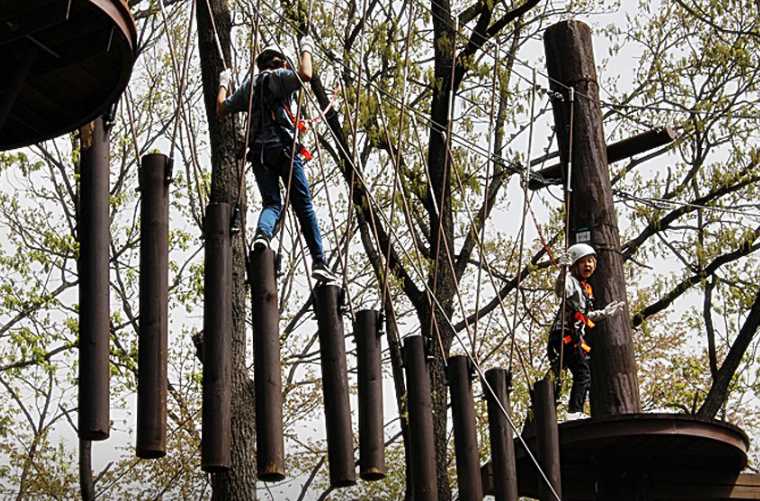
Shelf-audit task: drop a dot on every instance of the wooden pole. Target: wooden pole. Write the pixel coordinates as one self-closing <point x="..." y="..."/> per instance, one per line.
<point x="370" y="376"/>
<point x="267" y="368"/>
<point x="500" y="434"/>
<point x="547" y="439"/>
<point x="216" y="437"/>
<point x="332" y="351"/>
<point x="154" y="300"/>
<point x="465" y="436"/>
<point x="570" y="62"/>
<point x="420" y="406"/>
<point x="94" y="294"/>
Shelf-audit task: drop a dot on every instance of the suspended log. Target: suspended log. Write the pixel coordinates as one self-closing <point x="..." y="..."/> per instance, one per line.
<point x="547" y="439"/>
<point x="504" y="471"/>
<point x="270" y="446"/>
<point x="332" y="347"/>
<point x="420" y="407"/>
<point x="465" y="435"/>
<point x="216" y="438"/>
<point x="367" y="331"/>
<point x="94" y="295"/>
<point x="154" y="177"/>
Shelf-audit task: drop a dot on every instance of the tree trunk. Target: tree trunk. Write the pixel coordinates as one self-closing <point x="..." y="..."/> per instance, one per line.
<point x="240" y="481"/>
<point x="570" y="61"/>
<point x="719" y="390"/>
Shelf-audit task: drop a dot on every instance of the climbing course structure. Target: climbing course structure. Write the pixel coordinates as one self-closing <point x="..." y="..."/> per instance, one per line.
<point x="68" y="61"/>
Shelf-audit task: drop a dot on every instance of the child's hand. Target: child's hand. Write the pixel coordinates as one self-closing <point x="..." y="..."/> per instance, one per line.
<point x="612" y="308"/>
<point x="563" y="258"/>
<point x="608" y="311"/>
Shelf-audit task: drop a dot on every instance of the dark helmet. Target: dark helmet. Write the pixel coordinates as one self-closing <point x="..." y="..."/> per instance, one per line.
<point x="267" y="54"/>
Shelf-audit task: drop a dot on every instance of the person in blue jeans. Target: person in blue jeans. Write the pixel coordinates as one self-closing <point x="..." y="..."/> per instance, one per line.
<point x="271" y="137"/>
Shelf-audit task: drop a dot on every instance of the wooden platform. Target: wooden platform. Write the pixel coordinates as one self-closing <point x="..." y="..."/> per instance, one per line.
<point x="65" y="63"/>
<point x="670" y="457"/>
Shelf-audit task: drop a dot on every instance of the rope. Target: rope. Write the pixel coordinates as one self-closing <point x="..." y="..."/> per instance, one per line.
<point x="491" y="146"/>
<point x="525" y="179"/>
<point x="444" y="183"/>
<point x="216" y="34"/>
<point x="354" y="124"/>
<point x="568" y="190"/>
<point x="398" y="141"/>
<point x="393" y="234"/>
<point x="334" y="225"/>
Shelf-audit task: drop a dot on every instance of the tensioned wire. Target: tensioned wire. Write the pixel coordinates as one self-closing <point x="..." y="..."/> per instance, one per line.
<point x="476" y="149"/>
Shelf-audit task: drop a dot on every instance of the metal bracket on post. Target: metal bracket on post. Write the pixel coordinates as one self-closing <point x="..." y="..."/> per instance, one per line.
<point x="278" y="265"/>
<point x="235" y="222"/>
<point x="169" y="171"/>
<point x="429" y="347"/>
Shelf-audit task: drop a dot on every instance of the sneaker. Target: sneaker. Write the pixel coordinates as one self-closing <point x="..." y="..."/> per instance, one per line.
<point x="321" y="273"/>
<point x="261" y="241"/>
<point x="574" y="416"/>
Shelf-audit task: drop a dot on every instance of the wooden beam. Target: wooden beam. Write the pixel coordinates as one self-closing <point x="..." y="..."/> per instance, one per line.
<point x="620" y="150"/>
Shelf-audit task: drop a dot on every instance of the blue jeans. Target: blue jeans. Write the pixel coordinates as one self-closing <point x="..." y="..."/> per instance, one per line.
<point x="270" y="163"/>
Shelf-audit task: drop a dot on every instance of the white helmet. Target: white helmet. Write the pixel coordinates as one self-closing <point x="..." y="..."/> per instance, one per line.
<point x="579" y="251"/>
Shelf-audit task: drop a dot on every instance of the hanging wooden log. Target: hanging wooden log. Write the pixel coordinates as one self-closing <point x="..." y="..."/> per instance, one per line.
<point x="154" y="178"/>
<point x="267" y="369"/>
<point x="340" y="449"/>
<point x="420" y="406"/>
<point x="367" y="330"/>
<point x="547" y="439"/>
<point x="503" y="462"/>
<point x="465" y="435"/>
<point x="94" y="294"/>
<point x="216" y="438"/>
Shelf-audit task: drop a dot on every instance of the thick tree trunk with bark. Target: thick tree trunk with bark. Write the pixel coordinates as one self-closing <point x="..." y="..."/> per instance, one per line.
<point x="570" y="61"/>
<point x="719" y="390"/>
<point x="240" y="482"/>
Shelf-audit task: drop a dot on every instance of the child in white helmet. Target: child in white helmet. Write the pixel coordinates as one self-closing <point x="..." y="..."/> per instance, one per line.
<point x="579" y="318"/>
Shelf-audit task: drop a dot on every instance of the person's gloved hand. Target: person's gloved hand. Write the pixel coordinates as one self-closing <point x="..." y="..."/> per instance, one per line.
<point x="225" y="78"/>
<point x="307" y="44"/>
<point x="608" y="311"/>
<point x="563" y="258"/>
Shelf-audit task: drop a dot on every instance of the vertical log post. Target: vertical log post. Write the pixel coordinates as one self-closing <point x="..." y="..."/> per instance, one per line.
<point x="500" y="433"/>
<point x="570" y="62"/>
<point x="154" y="300"/>
<point x="332" y="347"/>
<point x="216" y="437"/>
<point x="267" y="369"/>
<point x="420" y="406"/>
<point x="547" y="439"/>
<point x="94" y="295"/>
<point x="465" y="435"/>
<point x="367" y="332"/>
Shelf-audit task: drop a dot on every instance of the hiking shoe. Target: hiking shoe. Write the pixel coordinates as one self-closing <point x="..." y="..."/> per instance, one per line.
<point x="574" y="416"/>
<point x="261" y="241"/>
<point x="321" y="273"/>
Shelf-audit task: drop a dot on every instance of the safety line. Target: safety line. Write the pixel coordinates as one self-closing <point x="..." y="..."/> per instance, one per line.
<point x="525" y="179"/>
